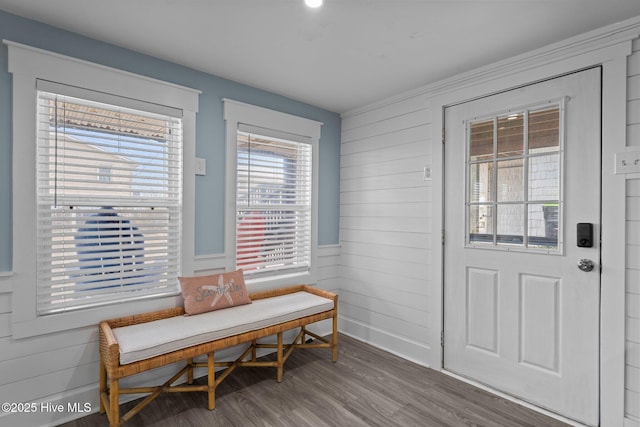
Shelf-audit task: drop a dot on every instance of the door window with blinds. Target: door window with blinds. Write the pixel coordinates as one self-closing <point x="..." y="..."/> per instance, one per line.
<point x="514" y="179"/>
<point x="273" y="204"/>
<point x="109" y="199"/>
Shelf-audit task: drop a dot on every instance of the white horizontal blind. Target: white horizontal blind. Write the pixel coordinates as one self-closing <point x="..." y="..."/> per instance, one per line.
<point x="273" y="202"/>
<point x="109" y="190"/>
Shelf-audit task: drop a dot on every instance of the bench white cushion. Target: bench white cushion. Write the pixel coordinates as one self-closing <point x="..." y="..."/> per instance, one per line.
<point x="145" y="340"/>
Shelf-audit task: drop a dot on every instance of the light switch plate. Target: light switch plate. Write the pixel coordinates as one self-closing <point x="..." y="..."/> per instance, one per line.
<point x="201" y="166"/>
<point x="427" y="173"/>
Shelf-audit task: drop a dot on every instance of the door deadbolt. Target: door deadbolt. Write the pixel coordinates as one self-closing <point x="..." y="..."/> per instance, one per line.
<point x="586" y="265"/>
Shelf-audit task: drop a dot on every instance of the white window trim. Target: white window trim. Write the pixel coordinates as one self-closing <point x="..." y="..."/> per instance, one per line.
<point x="26" y="65"/>
<point x="240" y="113"/>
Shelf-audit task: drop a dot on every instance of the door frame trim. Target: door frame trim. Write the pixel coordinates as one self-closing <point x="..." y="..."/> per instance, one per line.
<point x="610" y="51"/>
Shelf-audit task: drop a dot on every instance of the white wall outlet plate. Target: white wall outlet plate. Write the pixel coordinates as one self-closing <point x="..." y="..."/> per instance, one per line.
<point x="628" y="162"/>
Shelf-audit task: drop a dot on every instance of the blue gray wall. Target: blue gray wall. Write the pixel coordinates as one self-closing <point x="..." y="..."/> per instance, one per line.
<point x="210" y="136"/>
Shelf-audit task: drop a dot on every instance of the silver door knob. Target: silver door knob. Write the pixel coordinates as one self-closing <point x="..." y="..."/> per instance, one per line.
<point x="586" y="265"/>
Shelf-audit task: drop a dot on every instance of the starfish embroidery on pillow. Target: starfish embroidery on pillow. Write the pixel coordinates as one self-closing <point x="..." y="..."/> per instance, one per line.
<point x="221" y="289"/>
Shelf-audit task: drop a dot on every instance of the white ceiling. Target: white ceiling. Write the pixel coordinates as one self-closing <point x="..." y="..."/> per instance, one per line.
<point x="344" y="55"/>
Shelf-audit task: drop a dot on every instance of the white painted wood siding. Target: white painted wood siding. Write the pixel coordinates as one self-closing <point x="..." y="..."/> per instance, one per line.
<point x="387" y="241"/>
<point x="385" y="227"/>
<point x="62" y="368"/>
<point x="632" y="332"/>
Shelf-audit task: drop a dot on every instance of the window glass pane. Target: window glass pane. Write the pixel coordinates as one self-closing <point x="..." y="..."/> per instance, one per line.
<point x="510" y="224"/>
<point x="510" y="181"/>
<point x="511" y="135"/>
<point x="481" y="140"/>
<point x="480" y="177"/>
<point x="543" y="226"/>
<point x="480" y="223"/>
<point x="516" y="171"/>
<point x="544" y="177"/>
<point x="544" y="130"/>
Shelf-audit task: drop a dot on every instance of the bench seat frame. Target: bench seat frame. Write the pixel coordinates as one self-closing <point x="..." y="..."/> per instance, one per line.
<point x="111" y="371"/>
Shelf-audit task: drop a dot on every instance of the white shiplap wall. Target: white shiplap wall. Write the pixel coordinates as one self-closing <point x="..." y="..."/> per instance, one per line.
<point x="62" y="368"/>
<point x="387" y="244"/>
<point x="632" y="333"/>
<point x="385" y="227"/>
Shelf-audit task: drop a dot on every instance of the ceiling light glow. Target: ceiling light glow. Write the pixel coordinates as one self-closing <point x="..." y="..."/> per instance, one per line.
<point x="313" y="3"/>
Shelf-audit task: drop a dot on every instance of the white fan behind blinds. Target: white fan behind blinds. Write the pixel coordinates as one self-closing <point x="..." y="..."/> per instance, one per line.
<point x="273" y="202"/>
<point x="109" y="195"/>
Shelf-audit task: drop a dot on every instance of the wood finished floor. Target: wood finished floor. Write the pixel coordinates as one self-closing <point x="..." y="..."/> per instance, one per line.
<point x="366" y="387"/>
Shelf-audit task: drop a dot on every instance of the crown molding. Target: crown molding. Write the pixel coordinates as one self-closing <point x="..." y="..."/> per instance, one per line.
<point x="595" y="40"/>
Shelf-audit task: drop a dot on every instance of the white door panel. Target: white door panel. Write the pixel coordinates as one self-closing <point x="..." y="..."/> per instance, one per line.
<point x="519" y="314"/>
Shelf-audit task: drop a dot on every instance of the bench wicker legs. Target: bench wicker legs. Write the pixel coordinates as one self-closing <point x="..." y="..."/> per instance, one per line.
<point x="211" y="381"/>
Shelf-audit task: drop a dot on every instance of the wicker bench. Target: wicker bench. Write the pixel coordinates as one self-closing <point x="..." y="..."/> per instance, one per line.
<point x="134" y="344"/>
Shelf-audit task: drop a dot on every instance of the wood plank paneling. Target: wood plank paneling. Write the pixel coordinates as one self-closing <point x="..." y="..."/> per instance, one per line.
<point x="366" y="308"/>
<point x="400" y="225"/>
<point x="5" y="325"/>
<point x="33" y="389"/>
<point x="387" y="125"/>
<point x="36" y="365"/>
<point x="395" y="280"/>
<point x="633" y="135"/>
<point x="383" y="154"/>
<point x="385" y="226"/>
<point x="633" y="88"/>
<point x="386" y="168"/>
<point x="386" y="252"/>
<point x="401" y="297"/>
<point x="406" y="179"/>
<point x="412" y="270"/>
<point x="5" y="303"/>
<point x="398" y="210"/>
<point x="388" y="109"/>
<point x="633" y="112"/>
<point x="400" y="137"/>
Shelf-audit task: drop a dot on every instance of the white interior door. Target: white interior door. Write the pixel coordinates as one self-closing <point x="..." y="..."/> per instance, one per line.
<point x="522" y="170"/>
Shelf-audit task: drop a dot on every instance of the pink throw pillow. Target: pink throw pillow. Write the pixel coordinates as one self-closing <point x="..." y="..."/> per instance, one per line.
<point x="208" y="293"/>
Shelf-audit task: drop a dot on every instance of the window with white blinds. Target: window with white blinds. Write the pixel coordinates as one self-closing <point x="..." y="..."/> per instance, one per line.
<point x="273" y="204"/>
<point x="109" y="199"/>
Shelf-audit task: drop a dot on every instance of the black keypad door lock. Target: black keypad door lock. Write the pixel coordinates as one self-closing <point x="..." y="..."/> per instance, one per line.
<point x="585" y="234"/>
